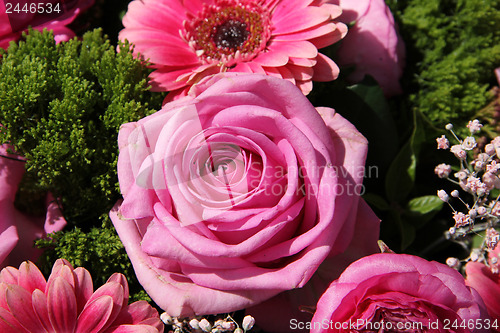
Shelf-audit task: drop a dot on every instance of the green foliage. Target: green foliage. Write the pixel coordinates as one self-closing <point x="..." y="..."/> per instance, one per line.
<point x="453" y="47"/>
<point x="61" y="107"/>
<point x="99" y="250"/>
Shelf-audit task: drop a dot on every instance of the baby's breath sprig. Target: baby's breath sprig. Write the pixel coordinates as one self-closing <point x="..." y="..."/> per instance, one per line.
<point x="203" y="325"/>
<point x="478" y="176"/>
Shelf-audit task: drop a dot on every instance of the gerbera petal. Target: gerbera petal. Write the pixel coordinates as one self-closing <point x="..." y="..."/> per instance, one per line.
<point x="122" y="280"/>
<point x="9" y="275"/>
<point x="304" y="86"/>
<point x="116" y="292"/>
<point x="163" y="18"/>
<point x="300" y="72"/>
<point x="3" y="290"/>
<point x="330" y="38"/>
<point x="286" y="74"/>
<point x="59" y="270"/>
<point x="19" y="302"/>
<point x="333" y="10"/>
<point x="166" y="51"/>
<point x="95" y="315"/>
<point x="147" y="37"/>
<point x="167" y="79"/>
<point x="283" y="8"/>
<point x="297" y="49"/>
<point x="300" y="20"/>
<point x="133" y="329"/>
<point x="304" y="62"/>
<point x="30" y="277"/>
<point x="65" y="272"/>
<point x="256" y="68"/>
<point x="193" y="6"/>
<point x="326" y="69"/>
<point x="242" y="67"/>
<point x="272" y="58"/>
<point x="171" y="54"/>
<point x="39" y="302"/>
<point x="273" y="71"/>
<point x="134" y="313"/>
<point x="83" y="288"/>
<point x="61" y="305"/>
<point x="9" y="324"/>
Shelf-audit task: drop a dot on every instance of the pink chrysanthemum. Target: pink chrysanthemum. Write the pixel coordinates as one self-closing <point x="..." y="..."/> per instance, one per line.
<point x="67" y="303"/>
<point x="188" y="40"/>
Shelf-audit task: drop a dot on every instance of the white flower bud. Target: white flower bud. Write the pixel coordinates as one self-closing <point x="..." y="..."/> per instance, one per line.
<point x="482" y="210"/>
<point x="453" y="263"/>
<point x="443" y="195"/>
<point x="165" y="318"/>
<point x="194" y="323"/>
<point x="248" y="323"/>
<point x="205" y="325"/>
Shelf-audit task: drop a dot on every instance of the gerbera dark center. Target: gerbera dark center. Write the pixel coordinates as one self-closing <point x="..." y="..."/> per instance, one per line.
<point x="229" y="31"/>
<point x="231" y="34"/>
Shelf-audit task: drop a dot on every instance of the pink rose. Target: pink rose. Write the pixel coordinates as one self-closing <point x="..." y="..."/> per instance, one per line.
<point x="373" y="45"/>
<point x="18" y="231"/>
<point x="486" y="280"/>
<point x="237" y="192"/>
<point x="401" y="292"/>
<point x="15" y="19"/>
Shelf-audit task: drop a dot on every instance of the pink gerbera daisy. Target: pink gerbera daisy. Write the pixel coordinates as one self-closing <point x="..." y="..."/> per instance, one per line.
<point x="67" y="303"/>
<point x="186" y="40"/>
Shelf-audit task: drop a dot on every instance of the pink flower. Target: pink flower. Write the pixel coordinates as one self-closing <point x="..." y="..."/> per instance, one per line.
<point x="187" y="41"/>
<point x="442" y="142"/>
<point x="67" y="303"/>
<point x="442" y="170"/>
<point x="14" y="20"/>
<point x="233" y="193"/>
<point x="373" y="44"/>
<point x="458" y="151"/>
<point x="487" y="283"/>
<point x="18" y="230"/>
<point x="403" y="292"/>
<point x="474" y="126"/>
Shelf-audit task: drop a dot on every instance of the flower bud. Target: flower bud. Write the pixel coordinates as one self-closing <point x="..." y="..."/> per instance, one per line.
<point x="443" y="195"/>
<point x="248" y="323"/>
<point x="489" y="149"/>
<point x="482" y="210"/>
<point x="453" y="263"/>
<point x="228" y="326"/>
<point x="205" y="325"/>
<point x="166" y="319"/>
<point x="194" y="323"/>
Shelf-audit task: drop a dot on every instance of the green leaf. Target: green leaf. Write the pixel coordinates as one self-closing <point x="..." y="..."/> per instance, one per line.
<point x="400" y="177"/>
<point x="376" y="201"/>
<point x="426" y="204"/>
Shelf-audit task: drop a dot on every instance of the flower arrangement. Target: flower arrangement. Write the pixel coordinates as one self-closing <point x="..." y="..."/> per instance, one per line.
<point x="179" y="155"/>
